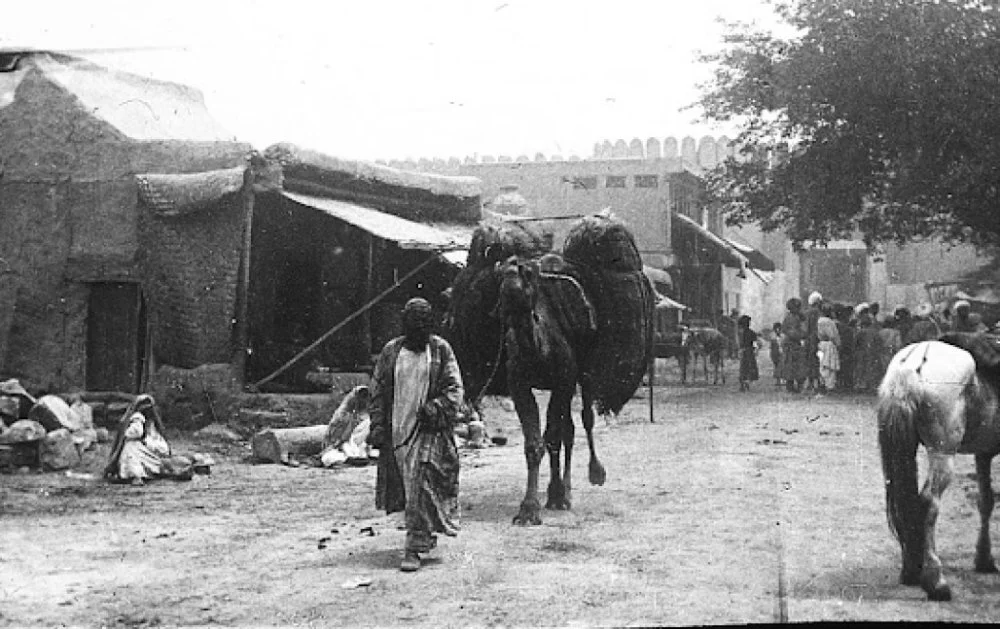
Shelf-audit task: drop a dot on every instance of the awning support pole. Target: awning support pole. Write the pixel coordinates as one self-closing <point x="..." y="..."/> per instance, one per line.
<point x="354" y="315"/>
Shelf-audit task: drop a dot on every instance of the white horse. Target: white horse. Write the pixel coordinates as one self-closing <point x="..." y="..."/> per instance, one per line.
<point x="937" y="394"/>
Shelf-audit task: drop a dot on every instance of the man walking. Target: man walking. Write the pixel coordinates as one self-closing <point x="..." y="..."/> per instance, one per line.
<point x="416" y="396"/>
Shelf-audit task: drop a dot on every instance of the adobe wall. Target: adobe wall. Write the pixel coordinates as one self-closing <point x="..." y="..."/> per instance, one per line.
<point x="68" y="207"/>
<point x="927" y="271"/>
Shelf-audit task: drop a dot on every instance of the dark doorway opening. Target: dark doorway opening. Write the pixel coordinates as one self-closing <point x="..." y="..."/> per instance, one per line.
<point x="116" y="337"/>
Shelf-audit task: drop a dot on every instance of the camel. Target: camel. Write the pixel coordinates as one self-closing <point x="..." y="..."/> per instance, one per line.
<point x="550" y="326"/>
<point x="557" y="323"/>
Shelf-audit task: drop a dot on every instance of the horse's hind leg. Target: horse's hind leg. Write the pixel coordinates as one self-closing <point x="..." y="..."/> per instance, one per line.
<point x="940" y="470"/>
<point x="984" y="554"/>
<point x="557" y="423"/>
<point x="596" y="472"/>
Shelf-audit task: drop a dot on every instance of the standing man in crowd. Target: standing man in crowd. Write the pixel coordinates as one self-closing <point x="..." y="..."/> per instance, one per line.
<point x="813" y="379"/>
<point x="793" y="350"/>
<point x="965" y="320"/>
<point x="415" y="402"/>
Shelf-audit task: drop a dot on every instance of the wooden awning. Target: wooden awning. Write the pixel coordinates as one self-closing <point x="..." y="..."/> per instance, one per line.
<point x="407" y="234"/>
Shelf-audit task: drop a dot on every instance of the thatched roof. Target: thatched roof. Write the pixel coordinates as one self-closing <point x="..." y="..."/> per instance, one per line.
<point x="175" y="195"/>
<point x="414" y="196"/>
<point x="293" y="157"/>
<point x="139" y="107"/>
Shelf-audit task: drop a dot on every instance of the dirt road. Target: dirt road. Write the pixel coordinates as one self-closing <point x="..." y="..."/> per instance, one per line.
<point x="701" y="512"/>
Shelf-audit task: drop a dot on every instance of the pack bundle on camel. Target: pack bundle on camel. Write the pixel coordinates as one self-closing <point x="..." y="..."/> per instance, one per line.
<point x="535" y="320"/>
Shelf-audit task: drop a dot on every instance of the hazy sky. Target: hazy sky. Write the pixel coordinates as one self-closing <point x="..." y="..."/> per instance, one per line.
<point x="374" y="79"/>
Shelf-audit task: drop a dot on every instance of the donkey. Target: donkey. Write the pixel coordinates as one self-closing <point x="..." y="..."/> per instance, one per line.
<point x="710" y="345"/>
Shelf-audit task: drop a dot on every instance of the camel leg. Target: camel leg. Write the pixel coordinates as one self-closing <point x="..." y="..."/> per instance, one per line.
<point x="534" y="450"/>
<point x="596" y="472"/>
<point x="984" y="554"/>
<point x="940" y="471"/>
<point x="555" y="429"/>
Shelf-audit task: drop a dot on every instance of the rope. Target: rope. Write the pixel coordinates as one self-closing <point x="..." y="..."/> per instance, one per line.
<point x="496" y="366"/>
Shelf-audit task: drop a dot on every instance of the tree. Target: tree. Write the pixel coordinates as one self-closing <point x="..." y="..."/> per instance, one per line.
<point x="879" y="116"/>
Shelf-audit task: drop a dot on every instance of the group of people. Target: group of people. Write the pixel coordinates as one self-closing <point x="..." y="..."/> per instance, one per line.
<point x="829" y="346"/>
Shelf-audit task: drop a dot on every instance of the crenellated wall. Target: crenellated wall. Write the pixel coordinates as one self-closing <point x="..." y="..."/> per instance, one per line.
<point x="695" y="155"/>
<point x="641" y="181"/>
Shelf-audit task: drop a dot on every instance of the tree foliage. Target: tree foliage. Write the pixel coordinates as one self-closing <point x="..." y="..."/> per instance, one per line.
<point x="878" y="116"/>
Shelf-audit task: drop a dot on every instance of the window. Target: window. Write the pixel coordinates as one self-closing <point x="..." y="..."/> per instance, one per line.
<point x="615" y="181"/>
<point x="581" y="183"/>
<point x="646" y="181"/>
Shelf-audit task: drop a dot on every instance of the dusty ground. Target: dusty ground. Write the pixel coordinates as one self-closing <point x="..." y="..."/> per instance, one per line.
<point x="701" y="511"/>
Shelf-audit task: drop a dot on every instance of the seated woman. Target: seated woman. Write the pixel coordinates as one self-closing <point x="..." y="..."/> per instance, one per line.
<point x="141" y="452"/>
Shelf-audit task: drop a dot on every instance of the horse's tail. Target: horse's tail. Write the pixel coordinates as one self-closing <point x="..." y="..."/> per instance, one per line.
<point x="899" y="404"/>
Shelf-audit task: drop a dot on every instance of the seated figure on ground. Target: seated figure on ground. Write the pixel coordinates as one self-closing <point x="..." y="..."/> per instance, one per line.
<point x="141" y="452"/>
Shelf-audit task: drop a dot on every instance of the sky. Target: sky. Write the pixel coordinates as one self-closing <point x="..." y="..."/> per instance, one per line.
<point x="398" y="79"/>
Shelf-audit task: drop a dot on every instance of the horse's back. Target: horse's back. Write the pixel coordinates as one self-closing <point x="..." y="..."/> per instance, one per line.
<point x="933" y="362"/>
<point x="959" y="406"/>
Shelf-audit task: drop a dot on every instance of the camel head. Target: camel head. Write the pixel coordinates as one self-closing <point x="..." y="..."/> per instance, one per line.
<point x="518" y="287"/>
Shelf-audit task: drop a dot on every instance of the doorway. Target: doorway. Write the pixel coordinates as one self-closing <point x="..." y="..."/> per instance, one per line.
<point x="116" y="337"/>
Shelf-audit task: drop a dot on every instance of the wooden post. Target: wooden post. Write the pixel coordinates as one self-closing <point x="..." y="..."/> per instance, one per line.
<point x="652" y="374"/>
<point x="368" y="287"/>
<point x="239" y="357"/>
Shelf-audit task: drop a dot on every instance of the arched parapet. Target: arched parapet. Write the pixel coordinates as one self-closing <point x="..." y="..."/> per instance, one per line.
<point x="689" y="151"/>
<point x="654" y="150"/>
<point x="706" y="152"/>
<point x="636" y="149"/>
<point x="670" y="148"/>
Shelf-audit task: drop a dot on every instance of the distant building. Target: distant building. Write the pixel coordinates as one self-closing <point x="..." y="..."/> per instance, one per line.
<point x="653" y="187"/>
<point x="714" y="268"/>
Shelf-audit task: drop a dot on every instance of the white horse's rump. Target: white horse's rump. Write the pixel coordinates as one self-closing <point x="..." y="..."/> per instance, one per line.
<point x="932" y="394"/>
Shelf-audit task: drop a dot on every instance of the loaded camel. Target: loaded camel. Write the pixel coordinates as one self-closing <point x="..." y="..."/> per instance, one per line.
<point x="528" y="319"/>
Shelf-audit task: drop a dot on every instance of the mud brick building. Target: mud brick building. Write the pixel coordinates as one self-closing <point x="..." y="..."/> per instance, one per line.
<point x="138" y="233"/>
